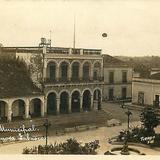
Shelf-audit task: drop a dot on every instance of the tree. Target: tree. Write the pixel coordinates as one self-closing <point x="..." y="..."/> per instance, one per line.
<point x="36" y="67"/>
<point x="149" y="121"/>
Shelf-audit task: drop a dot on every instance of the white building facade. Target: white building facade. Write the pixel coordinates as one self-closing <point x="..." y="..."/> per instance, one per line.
<point x="146" y="92"/>
<point x="117" y="80"/>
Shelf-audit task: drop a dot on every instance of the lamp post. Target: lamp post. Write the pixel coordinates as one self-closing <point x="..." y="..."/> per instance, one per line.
<point x="46" y="125"/>
<point x="125" y="150"/>
<point x="128" y="113"/>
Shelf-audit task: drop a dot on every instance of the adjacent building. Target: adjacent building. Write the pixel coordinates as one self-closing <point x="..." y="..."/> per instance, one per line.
<point x="19" y="97"/>
<point x="117" y="79"/>
<point x="146" y="91"/>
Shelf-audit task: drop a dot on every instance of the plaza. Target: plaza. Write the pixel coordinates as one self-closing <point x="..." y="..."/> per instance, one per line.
<point x="101" y="133"/>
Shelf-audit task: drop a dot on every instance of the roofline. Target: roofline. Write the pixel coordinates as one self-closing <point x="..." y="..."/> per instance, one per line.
<point x="16" y="47"/>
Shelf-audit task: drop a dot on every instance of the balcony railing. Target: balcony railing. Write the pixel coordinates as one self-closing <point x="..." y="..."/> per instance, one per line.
<point x="77" y="51"/>
<point x="74" y="80"/>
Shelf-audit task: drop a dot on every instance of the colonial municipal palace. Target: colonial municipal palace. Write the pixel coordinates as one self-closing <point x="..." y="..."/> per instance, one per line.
<point x="59" y="81"/>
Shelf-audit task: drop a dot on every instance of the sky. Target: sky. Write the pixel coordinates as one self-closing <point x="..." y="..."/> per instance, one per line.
<point x="132" y="26"/>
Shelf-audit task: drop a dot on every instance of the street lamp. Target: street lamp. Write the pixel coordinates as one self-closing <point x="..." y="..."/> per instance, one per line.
<point x="46" y="125"/>
<point x="128" y="113"/>
<point x="125" y="150"/>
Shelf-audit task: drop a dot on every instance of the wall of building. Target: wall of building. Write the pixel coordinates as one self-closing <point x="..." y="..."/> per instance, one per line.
<point x="117" y="91"/>
<point x="117" y="74"/>
<point x="150" y="88"/>
<point x="118" y="84"/>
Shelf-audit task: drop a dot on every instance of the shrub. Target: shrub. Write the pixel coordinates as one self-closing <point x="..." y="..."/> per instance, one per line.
<point x="149" y="121"/>
<point x="71" y="146"/>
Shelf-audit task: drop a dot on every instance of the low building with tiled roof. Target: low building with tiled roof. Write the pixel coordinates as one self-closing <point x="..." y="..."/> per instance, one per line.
<point x="146" y="91"/>
<point x="19" y="97"/>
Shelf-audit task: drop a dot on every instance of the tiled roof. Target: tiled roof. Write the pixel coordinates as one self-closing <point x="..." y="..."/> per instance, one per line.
<point x="155" y="76"/>
<point x="109" y="61"/>
<point x="14" y="79"/>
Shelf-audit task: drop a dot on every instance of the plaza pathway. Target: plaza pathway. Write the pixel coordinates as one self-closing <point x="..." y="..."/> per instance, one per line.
<point x="102" y="134"/>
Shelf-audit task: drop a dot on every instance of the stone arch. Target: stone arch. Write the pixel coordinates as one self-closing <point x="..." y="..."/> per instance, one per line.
<point x="86" y="100"/>
<point x="35" y="109"/>
<point x="18" y="109"/>
<point x="52" y="61"/>
<point x="96" y="70"/>
<point x="78" y="61"/>
<point x="97" y="61"/>
<point x="76" y="89"/>
<point x="52" y="91"/>
<point x="52" y="103"/>
<point x="64" y="90"/>
<point x="87" y="89"/>
<point x="64" y="60"/>
<point x="64" y="102"/>
<point x="51" y="70"/>
<point x="75" y="70"/>
<point x="97" y="88"/>
<point x="75" y="101"/>
<point x="3" y="111"/>
<point x="64" y="69"/>
<point x="87" y="69"/>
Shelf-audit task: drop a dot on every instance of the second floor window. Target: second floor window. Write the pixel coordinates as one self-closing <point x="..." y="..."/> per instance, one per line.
<point x="111" y="77"/>
<point x="124" y="77"/>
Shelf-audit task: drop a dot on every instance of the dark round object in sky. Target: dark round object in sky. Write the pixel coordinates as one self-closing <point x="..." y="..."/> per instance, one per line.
<point x="104" y="35"/>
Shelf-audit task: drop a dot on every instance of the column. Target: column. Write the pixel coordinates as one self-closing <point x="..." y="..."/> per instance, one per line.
<point x="58" y="105"/>
<point x="27" y="116"/>
<point x="9" y="116"/>
<point x="91" y="102"/>
<point x="69" y="72"/>
<point x="81" y="51"/>
<point x="81" y="103"/>
<point x="70" y="104"/>
<point x="44" y="73"/>
<point x="57" y="73"/>
<point x="101" y="100"/>
<point x="91" y="72"/>
<point x="70" y="50"/>
<point x="81" y="72"/>
<point x="42" y="109"/>
<point x="45" y="106"/>
<point x="44" y="49"/>
<point x="101" y="70"/>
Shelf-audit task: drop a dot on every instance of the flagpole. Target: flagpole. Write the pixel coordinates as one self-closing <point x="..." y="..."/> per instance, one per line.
<point x="74" y="34"/>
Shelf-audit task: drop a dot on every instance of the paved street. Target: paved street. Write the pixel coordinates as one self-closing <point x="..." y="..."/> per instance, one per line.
<point x="119" y="113"/>
<point x="101" y="134"/>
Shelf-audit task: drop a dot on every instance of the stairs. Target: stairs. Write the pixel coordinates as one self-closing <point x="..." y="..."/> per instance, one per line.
<point x="85" y="118"/>
<point x="65" y="120"/>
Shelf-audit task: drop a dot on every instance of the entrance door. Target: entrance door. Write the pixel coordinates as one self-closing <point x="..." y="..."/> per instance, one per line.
<point x="141" y="98"/>
<point x="156" y="100"/>
<point x="37" y="107"/>
<point x="21" y="108"/>
<point x="124" y="93"/>
<point x="110" y="94"/>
